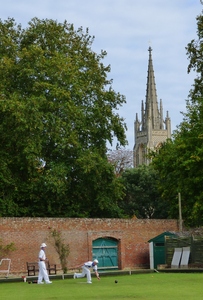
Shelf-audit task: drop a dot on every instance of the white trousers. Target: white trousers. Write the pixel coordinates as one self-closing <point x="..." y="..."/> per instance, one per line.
<point x="85" y="271"/>
<point x="42" y="272"/>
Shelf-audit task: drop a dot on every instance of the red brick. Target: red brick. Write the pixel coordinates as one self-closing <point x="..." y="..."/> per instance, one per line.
<point x="132" y="234"/>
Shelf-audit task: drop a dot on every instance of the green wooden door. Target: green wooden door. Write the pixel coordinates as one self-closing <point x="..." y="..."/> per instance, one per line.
<point x="159" y="254"/>
<point x="106" y="251"/>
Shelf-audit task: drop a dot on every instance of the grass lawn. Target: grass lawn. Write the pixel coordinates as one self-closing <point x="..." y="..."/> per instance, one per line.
<point x="161" y="286"/>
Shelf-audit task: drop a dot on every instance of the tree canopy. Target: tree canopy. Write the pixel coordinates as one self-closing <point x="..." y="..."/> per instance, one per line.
<point x="58" y="111"/>
<point x="180" y="161"/>
<point x="142" y="198"/>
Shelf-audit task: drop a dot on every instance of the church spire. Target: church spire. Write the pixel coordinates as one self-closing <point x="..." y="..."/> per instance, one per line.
<point x="153" y="130"/>
<point x="151" y="104"/>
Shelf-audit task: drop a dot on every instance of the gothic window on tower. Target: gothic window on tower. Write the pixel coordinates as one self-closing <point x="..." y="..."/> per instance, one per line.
<point x="137" y="158"/>
<point x="141" y="153"/>
<point x="158" y="146"/>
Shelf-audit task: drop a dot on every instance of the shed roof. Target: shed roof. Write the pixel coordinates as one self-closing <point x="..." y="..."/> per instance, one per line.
<point x="161" y="237"/>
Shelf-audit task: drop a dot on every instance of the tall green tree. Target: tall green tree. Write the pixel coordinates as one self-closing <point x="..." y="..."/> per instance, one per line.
<point x="57" y="113"/>
<point x="142" y="198"/>
<point x="180" y="161"/>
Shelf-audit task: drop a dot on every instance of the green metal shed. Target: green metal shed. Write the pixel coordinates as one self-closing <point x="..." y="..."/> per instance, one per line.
<point x="157" y="249"/>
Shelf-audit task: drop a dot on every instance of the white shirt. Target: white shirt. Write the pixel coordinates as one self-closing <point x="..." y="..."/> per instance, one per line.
<point x="90" y="264"/>
<point x="42" y="255"/>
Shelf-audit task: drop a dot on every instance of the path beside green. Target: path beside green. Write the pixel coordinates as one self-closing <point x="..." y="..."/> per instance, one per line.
<point x="159" y="286"/>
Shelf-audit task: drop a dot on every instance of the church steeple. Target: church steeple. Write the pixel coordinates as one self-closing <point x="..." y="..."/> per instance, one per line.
<point x="151" y="104"/>
<point x="152" y="130"/>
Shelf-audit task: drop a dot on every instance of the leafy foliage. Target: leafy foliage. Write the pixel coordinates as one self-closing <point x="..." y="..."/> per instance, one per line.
<point x="57" y="113"/>
<point x="180" y="161"/>
<point x="61" y="247"/>
<point x="6" y="249"/>
<point x="142" y="198"/>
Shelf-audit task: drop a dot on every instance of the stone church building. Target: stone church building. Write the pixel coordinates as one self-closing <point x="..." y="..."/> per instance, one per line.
<point x="152" y="129"/>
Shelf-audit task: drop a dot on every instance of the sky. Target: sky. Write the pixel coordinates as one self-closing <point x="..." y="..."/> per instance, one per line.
<point x="125" y="29"/>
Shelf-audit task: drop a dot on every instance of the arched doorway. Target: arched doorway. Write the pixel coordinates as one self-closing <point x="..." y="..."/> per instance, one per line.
<point x="106" y="251"/>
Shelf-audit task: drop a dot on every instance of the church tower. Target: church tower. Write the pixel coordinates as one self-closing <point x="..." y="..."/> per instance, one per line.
<point x="152" y="130"/>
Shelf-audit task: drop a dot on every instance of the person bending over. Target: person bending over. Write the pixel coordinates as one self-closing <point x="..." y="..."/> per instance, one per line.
<point x="86" y="270"/>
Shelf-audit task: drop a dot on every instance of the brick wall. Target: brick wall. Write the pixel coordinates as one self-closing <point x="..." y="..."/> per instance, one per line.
<point x="132" y="235"/>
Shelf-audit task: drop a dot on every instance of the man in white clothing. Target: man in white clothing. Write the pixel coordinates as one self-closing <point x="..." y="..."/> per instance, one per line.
<point x="86" y="270"/>
<point x="42" y="266"/>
